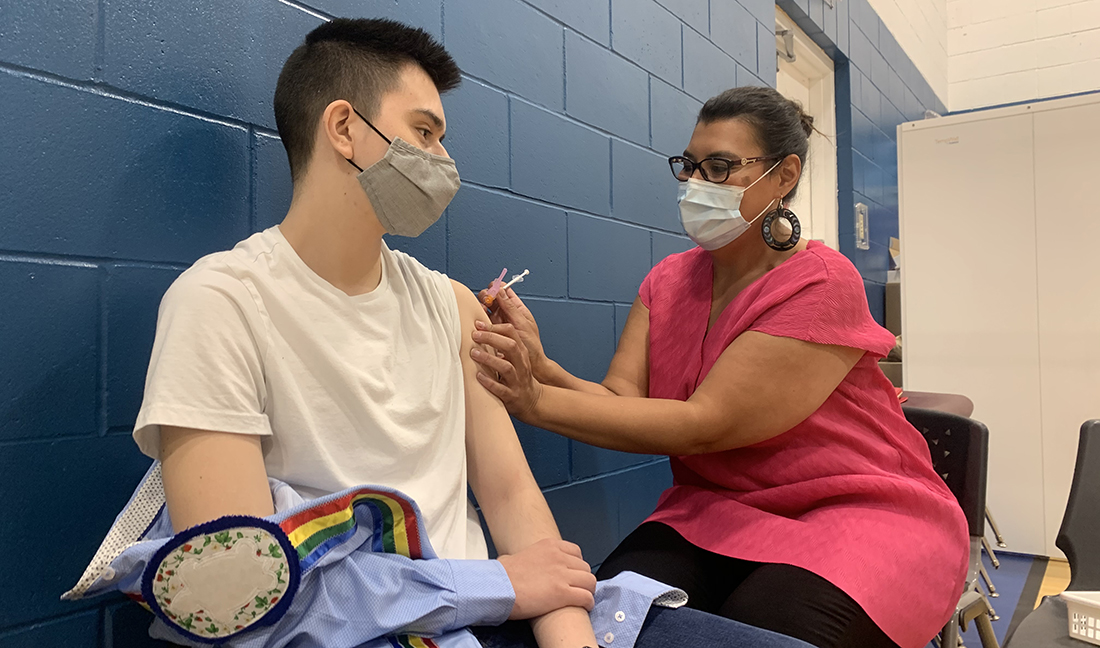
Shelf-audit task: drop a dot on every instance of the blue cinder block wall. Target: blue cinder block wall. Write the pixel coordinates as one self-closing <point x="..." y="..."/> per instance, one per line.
<point x="139" y="136"/>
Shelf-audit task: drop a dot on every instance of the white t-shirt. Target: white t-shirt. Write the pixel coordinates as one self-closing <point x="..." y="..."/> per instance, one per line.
<point x="344" y="390"/>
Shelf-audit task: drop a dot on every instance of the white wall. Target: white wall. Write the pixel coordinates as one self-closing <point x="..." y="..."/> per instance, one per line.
<point x="978" y="53"/>
<point x="1004" y="51"/>
<point x="920" y="27"/>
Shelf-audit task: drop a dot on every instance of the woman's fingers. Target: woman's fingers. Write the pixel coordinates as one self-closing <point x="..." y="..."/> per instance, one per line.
<point x="493" y="362"/>
<point x="506" y="345"/>
<point x="506" y="367"/>
<point x="502" y="337"/>
<point x="511" y="306"/>
<point x="517" y="306"/>
<point x="520" y="316"/>
<point x="514" y="310"/>
<point x="494" y="387"/>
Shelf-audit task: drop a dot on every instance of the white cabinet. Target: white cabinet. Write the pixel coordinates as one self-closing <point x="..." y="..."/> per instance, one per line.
<point x="1067" y="230"/>
<point x="1001" y="290"/>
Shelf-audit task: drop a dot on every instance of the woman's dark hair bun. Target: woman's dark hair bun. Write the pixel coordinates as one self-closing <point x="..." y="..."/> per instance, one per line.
<point x="807" y="120"/>
<point x="781" y="126"/>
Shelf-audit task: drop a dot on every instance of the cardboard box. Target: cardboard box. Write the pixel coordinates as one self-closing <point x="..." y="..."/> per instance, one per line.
<point x="892" y="371"/>
<point x="893" y="307"/>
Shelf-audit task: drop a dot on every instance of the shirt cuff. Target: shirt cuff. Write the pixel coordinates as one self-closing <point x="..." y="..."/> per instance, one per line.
<point x="622" y="604"/>
<point x="483" y="592"/>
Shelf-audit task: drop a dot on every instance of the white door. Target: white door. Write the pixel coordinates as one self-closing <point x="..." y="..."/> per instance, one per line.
<point x="808" y="79"/>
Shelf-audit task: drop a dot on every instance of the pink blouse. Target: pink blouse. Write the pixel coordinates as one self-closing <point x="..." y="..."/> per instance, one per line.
<point x="848" y="494"/>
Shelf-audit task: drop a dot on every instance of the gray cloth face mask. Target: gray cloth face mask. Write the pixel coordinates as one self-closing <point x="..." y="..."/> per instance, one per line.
<point x="409" y="187"/>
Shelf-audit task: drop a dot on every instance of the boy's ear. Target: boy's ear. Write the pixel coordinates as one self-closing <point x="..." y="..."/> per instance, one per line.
<point x="336" y="123"/>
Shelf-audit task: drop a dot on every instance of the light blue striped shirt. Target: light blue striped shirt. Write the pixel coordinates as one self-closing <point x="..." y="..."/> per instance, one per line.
<point x="354" y="592"/>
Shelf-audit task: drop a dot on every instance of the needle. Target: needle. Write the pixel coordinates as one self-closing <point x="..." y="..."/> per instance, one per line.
<point x="516" y="279"/>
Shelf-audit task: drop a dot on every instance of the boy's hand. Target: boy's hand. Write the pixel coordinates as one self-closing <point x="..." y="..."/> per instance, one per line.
<point x="547" y="576"/>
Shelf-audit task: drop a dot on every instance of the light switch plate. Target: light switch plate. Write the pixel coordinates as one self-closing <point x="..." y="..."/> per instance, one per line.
<point x="863" y="237"/>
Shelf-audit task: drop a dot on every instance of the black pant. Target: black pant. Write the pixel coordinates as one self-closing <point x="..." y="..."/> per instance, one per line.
<point x="785" y="599"/>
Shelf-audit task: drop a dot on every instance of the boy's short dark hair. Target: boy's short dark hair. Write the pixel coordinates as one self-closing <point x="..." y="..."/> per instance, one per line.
<point x="354" y="59"/>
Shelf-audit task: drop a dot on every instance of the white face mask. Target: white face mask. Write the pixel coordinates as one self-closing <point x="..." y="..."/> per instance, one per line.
<point x="711" y="213"/>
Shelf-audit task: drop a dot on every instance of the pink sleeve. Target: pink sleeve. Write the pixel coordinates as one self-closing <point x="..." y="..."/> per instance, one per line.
<point x="827" y="305"/>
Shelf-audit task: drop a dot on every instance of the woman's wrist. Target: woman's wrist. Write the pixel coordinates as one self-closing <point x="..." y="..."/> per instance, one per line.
<point x="533" y="413"/>
<point x="546" y="371"/>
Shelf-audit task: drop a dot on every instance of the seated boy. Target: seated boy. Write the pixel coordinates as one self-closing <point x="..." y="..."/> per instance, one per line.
<point x="313" y="356"/>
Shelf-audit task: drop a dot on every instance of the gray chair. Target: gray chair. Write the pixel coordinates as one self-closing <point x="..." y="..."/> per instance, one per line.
<point x="1079" y="538"/>
<point x="989" y="552"/>
<point x="963" y="406"/>
<point x="960" y="448"/>
<point x="996" y="530"/>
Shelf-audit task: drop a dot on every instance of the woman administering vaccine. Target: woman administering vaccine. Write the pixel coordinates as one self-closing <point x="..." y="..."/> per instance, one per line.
<point x="803" y="502"/>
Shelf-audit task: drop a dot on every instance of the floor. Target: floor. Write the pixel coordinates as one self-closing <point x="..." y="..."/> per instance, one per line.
<point x="1055" y="580"/>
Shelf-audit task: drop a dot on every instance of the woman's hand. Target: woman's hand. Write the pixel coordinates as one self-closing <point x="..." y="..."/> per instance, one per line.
<point x="506" y="367"/>
<point x="508" y="308"/>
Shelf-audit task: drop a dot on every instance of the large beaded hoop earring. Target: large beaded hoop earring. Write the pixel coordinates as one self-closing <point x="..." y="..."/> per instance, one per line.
<point x="775" y="217"/>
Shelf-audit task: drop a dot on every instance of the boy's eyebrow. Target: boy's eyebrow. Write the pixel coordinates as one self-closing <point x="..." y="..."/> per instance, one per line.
<point x="436" y="120"/>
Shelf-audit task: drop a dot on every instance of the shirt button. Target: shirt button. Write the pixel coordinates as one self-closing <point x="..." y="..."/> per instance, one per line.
<point x="620" y="617"/>
<point x="609" y="638"/>
<point x="108" y="574"/>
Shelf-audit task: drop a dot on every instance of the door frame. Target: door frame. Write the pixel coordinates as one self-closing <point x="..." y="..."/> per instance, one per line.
<point x="813" y="68"/>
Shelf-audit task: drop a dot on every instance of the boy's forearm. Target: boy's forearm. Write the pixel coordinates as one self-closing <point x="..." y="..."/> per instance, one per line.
<point x="524" y="520"/>
<point x="566" y="628"/>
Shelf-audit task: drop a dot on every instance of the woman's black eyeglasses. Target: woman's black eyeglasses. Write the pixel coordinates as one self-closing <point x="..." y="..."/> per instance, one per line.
<point x="713" y="169"/>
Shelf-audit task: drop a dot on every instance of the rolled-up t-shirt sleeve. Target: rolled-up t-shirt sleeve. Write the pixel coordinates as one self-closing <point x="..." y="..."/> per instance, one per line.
<point x="206" y="369"/>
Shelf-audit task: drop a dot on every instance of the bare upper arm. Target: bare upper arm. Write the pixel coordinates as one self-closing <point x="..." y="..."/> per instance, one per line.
<point x="208" y="475"/>
<point x="497" y="467"/>
<point x="763" y="385"/>
<point x="628" y="374"/>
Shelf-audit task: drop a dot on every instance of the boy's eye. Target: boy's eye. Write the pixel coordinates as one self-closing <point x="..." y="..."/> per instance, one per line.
<point x="425" y="132"/>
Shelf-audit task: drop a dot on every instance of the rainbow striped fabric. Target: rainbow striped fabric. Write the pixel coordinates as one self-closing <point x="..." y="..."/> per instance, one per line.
<point x="410" y="641"/>
<point x="396" y="527"/>
<point x="317" y="530"/>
